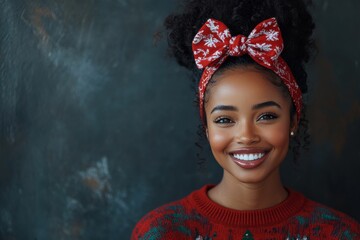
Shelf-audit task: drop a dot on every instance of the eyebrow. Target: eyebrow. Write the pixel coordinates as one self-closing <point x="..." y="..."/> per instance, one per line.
<point x="254" y="107"/>
<point x="266" y="104"/>
<point x="224" y="108"/>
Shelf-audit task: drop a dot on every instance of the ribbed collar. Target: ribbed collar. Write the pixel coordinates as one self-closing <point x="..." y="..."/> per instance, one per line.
<point x="247" y="218"/>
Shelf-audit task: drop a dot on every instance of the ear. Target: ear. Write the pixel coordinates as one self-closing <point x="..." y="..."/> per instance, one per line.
<point x="207" y="133"/>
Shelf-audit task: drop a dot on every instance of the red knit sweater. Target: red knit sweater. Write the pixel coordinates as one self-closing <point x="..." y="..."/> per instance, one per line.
<point x="197" y="217"/>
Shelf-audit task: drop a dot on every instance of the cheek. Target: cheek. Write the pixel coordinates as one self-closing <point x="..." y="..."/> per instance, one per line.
<point x="278" y="136"/>
<point x="218" y="139"/>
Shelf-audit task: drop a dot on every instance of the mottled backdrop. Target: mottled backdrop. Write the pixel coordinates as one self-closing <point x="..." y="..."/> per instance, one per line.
<point x="98" y="126"/>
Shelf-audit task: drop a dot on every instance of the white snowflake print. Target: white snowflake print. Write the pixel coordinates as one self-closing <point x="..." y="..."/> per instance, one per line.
<point x="280" y="69"/>
<point x="211" y="24"/>
<point x="204" y="53"/>
<point x="211" y="41"/>
<point x="198" y="37"/>
<point x="198" y="63"/>
<point x="252" y="52"/>
<point x="211" y="69"/>
<point x="241" y="45"/>
<point x="272" y="35"/>
<point x="269" y="23"/>
<point x="263" y="47"/>
<point x="215" y="55"/>
<point x="253" y="34"/>
<point x="225" y="34"/>
<point x="263" y="60"/>
<point x="277" y="51"/>
<point x="234" y="51"/>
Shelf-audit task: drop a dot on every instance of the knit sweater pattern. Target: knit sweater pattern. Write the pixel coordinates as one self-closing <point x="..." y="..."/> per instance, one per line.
<point x="199" y="218"/>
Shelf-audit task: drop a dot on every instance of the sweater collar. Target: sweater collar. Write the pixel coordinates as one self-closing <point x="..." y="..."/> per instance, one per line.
<point x="247" y="218"/>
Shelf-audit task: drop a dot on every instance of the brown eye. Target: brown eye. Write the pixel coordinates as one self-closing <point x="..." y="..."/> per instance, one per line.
<point x="223" y="120"/>
<point x="267" y="117"/>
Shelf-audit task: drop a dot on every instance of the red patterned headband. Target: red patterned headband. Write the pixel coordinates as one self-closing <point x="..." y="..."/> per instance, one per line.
<point x="213" y="44"/>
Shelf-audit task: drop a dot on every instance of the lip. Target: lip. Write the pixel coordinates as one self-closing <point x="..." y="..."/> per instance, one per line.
<point x="249" y="164"/>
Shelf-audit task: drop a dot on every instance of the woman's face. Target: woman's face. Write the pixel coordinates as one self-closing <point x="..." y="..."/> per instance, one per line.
<point x="248" y="125"/>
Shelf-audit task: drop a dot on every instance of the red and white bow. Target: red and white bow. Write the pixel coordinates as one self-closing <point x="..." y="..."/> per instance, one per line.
<point x="213" y="44"/>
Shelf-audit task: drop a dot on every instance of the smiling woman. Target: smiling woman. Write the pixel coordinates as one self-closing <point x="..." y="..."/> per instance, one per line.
<point x="255" y="121"/>
<point x="251" y="80"/>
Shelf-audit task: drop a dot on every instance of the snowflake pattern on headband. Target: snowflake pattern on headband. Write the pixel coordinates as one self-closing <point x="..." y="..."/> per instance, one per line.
<point x="213" y="44"/>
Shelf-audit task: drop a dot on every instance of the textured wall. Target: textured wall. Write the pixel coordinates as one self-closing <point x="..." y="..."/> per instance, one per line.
<point x="93" y="134"/>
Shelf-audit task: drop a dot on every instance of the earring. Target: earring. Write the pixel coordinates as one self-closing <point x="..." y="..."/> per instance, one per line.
<point x="292" y="133"/>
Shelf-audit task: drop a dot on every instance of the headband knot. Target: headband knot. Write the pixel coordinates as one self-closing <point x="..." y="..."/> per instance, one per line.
<point x="213" y="44"/>
<point x="237" y="46"/>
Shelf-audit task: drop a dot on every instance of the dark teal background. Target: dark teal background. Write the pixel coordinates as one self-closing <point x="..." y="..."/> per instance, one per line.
<point x="98" y="126"/>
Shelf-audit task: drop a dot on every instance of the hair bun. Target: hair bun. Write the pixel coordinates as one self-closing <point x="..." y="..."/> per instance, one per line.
<point x="241" y="17"/>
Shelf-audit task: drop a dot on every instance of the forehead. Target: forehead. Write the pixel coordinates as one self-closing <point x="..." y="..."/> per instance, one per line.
<point x="244" y="87"/>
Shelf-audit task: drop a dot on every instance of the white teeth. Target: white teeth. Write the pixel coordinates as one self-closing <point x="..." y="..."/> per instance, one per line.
<point x="249" y="157"/>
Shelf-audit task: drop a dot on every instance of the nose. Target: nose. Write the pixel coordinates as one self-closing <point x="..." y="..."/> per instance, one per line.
<point x="246" y="133"/>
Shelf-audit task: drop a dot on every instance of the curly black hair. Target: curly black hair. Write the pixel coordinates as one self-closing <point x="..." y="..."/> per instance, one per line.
<point x="241" y="16"/>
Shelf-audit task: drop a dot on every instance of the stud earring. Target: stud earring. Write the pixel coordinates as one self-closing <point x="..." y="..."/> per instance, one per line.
<point x="292" y="133"/>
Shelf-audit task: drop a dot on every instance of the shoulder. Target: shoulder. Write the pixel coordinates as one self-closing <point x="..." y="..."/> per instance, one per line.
<point x="326" y="221"/>
<point x="156" y="223"/>
<point x="170" y="221"/>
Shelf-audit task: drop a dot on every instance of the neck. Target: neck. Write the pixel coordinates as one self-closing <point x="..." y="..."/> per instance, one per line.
<point x="234" y="194"/>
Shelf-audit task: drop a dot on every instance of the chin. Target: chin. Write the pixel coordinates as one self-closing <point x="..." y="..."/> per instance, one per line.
<point x="255" y="176"/>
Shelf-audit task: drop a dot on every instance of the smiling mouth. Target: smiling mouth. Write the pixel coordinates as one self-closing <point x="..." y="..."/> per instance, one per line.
<point x="249" y="160"/>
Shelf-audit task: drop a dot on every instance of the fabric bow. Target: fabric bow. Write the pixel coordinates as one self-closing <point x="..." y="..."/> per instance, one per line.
<point x="213" y="44"/>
